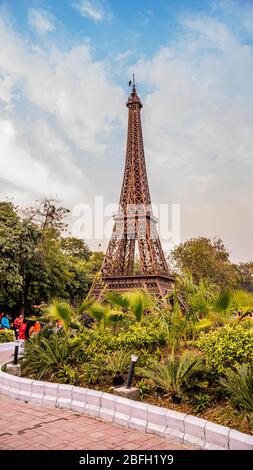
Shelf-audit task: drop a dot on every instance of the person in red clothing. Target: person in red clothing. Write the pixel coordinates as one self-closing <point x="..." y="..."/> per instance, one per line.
<point x="18" y="321"/>
<point x="22" y="328"/>
<point x="17" y="324"/>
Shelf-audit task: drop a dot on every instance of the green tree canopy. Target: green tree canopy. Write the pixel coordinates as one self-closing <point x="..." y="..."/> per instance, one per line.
<point x="245" y="272"/>
<point x="75" y="248"/>
<point x="36" y="262"/>
<point x="205" y="259"/>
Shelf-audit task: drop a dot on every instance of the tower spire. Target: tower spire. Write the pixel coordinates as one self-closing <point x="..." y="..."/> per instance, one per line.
<point x="134" y="88"/>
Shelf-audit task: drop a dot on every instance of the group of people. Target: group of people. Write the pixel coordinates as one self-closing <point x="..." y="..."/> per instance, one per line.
<point x="22" y="327"/>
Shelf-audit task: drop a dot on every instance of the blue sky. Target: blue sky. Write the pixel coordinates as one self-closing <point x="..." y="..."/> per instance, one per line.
<point x="64" y="69"/>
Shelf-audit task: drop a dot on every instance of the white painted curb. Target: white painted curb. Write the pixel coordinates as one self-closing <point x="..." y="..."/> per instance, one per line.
<point x="7" y="346"/>
<point x="129" y="413"/>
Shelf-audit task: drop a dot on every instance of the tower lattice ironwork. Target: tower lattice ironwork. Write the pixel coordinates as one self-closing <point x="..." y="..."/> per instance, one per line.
<point x="135" y="224"/>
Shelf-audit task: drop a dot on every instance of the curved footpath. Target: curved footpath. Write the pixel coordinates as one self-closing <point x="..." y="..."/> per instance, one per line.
<point x="33" y="426"/>
<point x="57" y="416"/>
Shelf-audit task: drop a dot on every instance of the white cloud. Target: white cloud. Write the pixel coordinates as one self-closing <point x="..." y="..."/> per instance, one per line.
<point x="66" y="107"/>
<point x="124" y="56"/>
<point x="90" y="9"/>
<point x="19" y="166"/>
<point x="41" y="20"/>
<point x="198" y="131"/>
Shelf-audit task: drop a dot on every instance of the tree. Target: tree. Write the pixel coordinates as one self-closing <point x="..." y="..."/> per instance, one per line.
<point x="205" y="259"/>
<point x="245" y="272"/>
<point x="37" y="264"/>
<point x="18" y="255"/>
<point x="94" y="263"/>
<point x="47" y="214"/>
<point x="75" y="248"/>
<point x="10" y="276"/>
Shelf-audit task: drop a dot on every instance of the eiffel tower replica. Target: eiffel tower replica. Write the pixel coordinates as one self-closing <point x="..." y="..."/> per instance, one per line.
<point x="134" y="225"/>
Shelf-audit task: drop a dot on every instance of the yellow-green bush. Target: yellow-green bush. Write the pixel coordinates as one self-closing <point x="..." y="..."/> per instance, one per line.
<point x="228" y="346"/>
<point x="6" y="336"/>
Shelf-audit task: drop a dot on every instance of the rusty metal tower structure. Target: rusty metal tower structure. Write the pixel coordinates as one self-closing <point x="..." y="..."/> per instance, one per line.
<point x="135" y="225"/>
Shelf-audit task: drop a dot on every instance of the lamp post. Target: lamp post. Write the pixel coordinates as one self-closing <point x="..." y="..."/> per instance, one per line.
<point x="131" y="371"/>
<point x="15" y="360"/>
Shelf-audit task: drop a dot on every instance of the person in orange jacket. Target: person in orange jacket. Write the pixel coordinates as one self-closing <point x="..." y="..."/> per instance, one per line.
<point x="34" y="329"/>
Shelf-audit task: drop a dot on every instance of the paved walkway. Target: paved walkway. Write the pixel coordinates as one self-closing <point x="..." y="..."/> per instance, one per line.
<point x="28" y="426"/>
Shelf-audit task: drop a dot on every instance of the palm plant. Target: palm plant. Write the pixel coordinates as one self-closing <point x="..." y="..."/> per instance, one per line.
<point x="239" y="385"/>
<point x="174" y="375"/>
<point x="104" y="315"/>
<point x="116" y="361"/>
<point x="178" y="323"/>
<point x="242" y="303"/>
<point x="222" y="303"/>
<point x="117" y="299"/>
<point x="84" y="306"/>
<point x="199" y="303"/>
<point x="137" y="302"/>
<point x="62" y="310"/>
<point x="43" y="354"/>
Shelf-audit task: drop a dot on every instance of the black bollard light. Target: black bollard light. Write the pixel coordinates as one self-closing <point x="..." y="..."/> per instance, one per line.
<point x="131" y="371"/>
<point x="15" y="360"/>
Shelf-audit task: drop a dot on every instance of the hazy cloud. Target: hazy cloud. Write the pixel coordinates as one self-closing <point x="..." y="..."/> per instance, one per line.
<point x="198" y="130"/>
<point x="57" y="117"/>
<point x="41" y="20"/>
<point x="90" y="9"/>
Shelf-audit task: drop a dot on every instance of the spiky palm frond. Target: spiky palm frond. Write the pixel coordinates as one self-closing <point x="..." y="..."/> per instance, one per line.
<point x="199" y="303"/>
<point x="139" y="302"/>
<point x="97" y="311"/>
<point x="222" y="302"/>
<point x="85" y="305"/>
<point x="42" y="354"/>
<point x="62" y="310"/>
<point x="117" y="300"/>
<point x="104" y="314"/>
<point x="242" y="301"/>
<point x="116" y="361"/>
<point x="239" y="384"/>
<point x="114" y="315"/>
<point x="171" y="375"/>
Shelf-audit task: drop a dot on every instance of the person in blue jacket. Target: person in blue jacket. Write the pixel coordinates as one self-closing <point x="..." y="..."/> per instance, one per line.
<point x="5" y="323"/>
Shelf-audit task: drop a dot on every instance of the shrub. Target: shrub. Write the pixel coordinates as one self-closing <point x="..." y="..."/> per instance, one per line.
<point x="68" y="375"/>
<point x="43" y="355"/>
<point x="145" y="387"/>
<point x="134" y="338"/>
<point x="175" y="376"/>
<point x="227" y="347"/>
<point x="116" y="362"/>
<point x="239" y="385"/>
<point x="6" y="336"/>
<point x="201" y="401"/>
<point x="138" y="336"/>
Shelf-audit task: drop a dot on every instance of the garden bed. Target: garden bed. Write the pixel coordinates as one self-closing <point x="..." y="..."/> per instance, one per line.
<point x="201" y="366"/>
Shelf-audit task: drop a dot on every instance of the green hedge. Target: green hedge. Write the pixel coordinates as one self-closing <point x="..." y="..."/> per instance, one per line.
<point x="134" y="338"/>
<point x="137" y="336"/>
<point x="6" y="336"/>
<point x="228" y="347"/>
